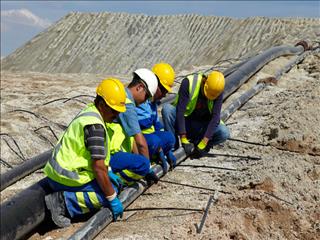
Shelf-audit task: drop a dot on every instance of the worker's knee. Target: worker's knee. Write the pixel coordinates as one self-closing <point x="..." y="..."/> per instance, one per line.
<point x="168" y="111"/>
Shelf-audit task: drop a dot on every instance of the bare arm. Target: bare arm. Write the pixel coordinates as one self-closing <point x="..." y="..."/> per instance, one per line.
<point x="142" y="145"/>
<point x="101" y="174"/>
<point x="135" y="148"/>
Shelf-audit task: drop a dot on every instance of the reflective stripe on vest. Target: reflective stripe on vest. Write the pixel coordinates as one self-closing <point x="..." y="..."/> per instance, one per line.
<point x="53" y="161"/>
<point x="70" y="163"/>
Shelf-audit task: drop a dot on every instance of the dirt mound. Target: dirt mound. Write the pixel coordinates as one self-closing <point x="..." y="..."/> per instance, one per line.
<point x="118" y="43"/>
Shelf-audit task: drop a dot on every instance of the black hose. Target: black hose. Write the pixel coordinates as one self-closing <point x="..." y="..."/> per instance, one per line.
<point x="19" y="172"/>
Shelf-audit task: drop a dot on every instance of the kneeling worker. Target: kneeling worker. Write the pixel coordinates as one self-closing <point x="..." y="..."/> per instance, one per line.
<point x="195" y="113"/>
<point x="160" y="142"/>
<point x="142" y="87"/>
<point x="78" y="169"/>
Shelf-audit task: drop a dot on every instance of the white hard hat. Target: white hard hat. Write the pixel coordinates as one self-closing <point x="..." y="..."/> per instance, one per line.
<point x="149" y="78"/>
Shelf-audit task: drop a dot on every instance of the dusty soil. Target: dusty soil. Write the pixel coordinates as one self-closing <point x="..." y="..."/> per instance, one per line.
<point x="275" y="196"/>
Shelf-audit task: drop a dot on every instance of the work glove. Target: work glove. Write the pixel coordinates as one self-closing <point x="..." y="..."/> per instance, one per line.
<point x="200" y="150"/>
<point x="163" y="162"/>
<point x="151" y="177"/>
<point x="116" y="180"/>
<point x="187" y="146"/>
<point x="172" y="160"/>
<point x="116" y="208"/>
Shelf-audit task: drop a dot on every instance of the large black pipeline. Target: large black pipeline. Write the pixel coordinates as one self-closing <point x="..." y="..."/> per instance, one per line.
<point x="18" y="226"/>
<point x="24" y="212"/>
<point x="19" y="172"/>
<point x="245" y="71"/>
<point x="240" y="101"/>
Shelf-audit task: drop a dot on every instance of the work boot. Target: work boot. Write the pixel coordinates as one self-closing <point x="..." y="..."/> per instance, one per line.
<point x="55" y="203"/>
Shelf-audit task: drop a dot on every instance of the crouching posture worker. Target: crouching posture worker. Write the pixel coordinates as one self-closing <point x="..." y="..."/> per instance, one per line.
<point x="142" y="87"/>
<point x="160" y="142"/>
<point x="78" y="169"/>
<point x="195" y="113"/>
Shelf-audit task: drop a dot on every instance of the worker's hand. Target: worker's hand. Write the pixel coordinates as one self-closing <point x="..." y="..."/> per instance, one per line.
<point x="187" y="146"/>
<point x="116" y="180"/>
<point x="172" y="160"/>
<point x="200" y="150"/>
<point x="116" y="208"/>
<point x="162" y="160"/>
<point x="151" y="177"/>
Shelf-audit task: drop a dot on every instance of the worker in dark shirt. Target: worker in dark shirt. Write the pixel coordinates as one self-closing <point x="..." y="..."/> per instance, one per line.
<point x="195" y="113"/>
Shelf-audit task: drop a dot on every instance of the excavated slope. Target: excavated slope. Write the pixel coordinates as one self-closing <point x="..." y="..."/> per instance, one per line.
<point x="118" y="43"/>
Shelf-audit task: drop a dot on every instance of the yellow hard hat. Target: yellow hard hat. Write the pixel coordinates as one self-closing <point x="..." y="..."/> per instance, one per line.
<point x="113" y="93"/>
<point x="214" y="85"/>
<point x="165" y="73"/>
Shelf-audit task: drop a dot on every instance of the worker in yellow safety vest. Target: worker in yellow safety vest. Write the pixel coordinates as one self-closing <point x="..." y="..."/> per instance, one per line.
<point x="195" y="113"/>
<point x="78" y="169"/>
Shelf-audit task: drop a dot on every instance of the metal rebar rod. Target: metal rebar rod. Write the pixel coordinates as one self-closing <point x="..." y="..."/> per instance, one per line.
<point x="230" y="155"/>
<point x="164" y="208"/>
<point x="204" y="217"/>
<point x="206" y="166"/>
<point x="248" y="142"/>
<point x="192" y="186"/>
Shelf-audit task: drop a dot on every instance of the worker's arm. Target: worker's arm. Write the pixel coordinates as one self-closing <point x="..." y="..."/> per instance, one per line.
<point x="94" y="138"/>
<point x="135" y="148"/>
<point x="215" y="119"/>
<point x="141" y="144"/>
<point x="101" y="174"/>
<point x="181" y="107"/>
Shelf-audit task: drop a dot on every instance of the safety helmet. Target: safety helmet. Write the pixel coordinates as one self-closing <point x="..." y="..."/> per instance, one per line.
<point x="165" y="73"/>
<point x="149" y="78"/>
<point x="214" y="85"/>
<point x="113" y="93"/>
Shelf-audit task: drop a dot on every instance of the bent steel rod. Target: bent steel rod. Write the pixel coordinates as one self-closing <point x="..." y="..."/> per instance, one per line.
<point x="19" y="227"/>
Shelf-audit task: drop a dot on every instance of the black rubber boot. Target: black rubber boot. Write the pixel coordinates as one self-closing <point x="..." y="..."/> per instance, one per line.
<point x="55" y="203"/>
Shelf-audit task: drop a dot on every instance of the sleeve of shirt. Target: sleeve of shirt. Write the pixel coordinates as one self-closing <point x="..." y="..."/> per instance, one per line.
<point x="182" y="105"/>
<point x="94" y="137"/>
<point x="129" y="121"/>
<point x="156" y="120"/>
<point x="215" y="120"/>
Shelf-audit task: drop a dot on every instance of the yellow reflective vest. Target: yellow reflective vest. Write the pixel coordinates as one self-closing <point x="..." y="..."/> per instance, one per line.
<point x="71" y="163"/>
<point x="119" y="140"/>
<point x="194" y="90"/>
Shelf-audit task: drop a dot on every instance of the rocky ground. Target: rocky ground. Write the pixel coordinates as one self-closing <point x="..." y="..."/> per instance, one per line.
<point x="266" y="190"/>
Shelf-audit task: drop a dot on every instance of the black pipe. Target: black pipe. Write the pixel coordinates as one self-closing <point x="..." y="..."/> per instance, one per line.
<point x="244" y="72"/>
<point x="24" y="211"/>
<point x="245" y="97"/>
<point x="18" y="228"/>
<point x="19" y="172"/>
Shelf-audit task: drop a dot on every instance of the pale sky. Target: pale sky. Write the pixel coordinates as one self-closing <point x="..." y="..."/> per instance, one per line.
<point x="22" y="20"/>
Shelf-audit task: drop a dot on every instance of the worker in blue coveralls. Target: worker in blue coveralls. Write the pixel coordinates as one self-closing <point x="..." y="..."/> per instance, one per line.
<point x="142" y="87"/>
<point x="195" y="113"/>
<point x="160" y="142"/>
<point x="77" y="172"/>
